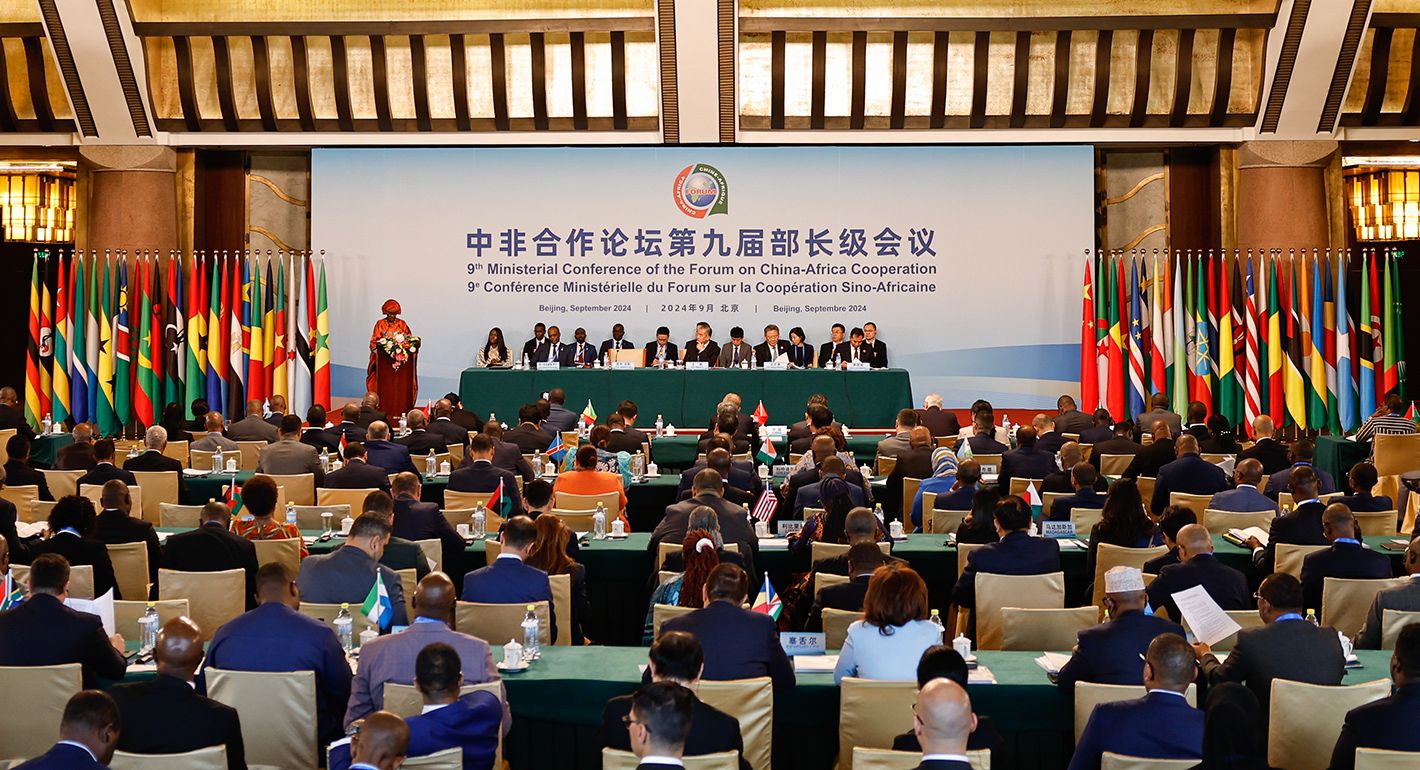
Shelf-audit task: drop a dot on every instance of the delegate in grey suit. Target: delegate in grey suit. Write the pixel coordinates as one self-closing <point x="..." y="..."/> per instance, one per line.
<point x="252" y="428"/>
<point x="289" y="457"/>
<point x="1244" y="499"/>
<point x="346" y="574"/>
<point x="1404" y="598"/>
<point x="391" y="659"/>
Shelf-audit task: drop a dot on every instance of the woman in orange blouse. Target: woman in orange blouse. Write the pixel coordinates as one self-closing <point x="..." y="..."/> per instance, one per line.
<point x="585" y="479"/>
<point x="259" y="499"/>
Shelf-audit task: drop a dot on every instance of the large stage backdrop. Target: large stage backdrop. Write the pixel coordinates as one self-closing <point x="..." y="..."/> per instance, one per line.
<point x="968" y="259"/>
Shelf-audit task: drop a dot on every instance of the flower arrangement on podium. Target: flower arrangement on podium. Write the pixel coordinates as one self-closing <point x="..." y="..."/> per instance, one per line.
<point x="399" y="347"/>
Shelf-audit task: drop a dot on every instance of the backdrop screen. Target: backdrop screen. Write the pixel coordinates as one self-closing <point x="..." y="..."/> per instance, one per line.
<point x="968" y="259"/>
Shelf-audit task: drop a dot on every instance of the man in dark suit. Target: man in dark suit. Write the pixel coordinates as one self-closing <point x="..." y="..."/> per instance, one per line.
<point x="1026" y="460"/>
<point x="1174" y="519"/>
<point x="531" y="347"/>
<point x="580" y="354"/>
<point x="1154" y="456"/>
<point x="385" y="454"/>
<point x="252" y="427"/>
<point x="817" y="418"/>
<point x="528" y="437"/>
<point x="508" y="580"/>
<point x="399" y="553"/>
<point x="1404" y="598"/>
<point x="166" y="715"/>
<point x="1047" y="437"/>
<point x="10" y="544"/>
<point x="821" y="448"/>
<point x="629" y="413"/>
<point x="420" y="441"/>
<point x="11" y="416"/>
<point x="213" y="547"/>
<point x="1198" y="567"/>
<point x="277" y="404"/>
<point x="443" y="424"/>
<point x="827" y="349"/>
<point x="1301" y="525"/>
<point x="1084" y="481"/>
<point x="1190" y="474"/>
<point x="115" y="525"/>
<point x="726" y="425"/>
<point x="661" y="350"/>
<point x="381" y="743"/>
<point x="1302" y="453"/>
<point x="289" y="455"/>
<point x="742" y="644"/>
<point x="550" y="349"/>
<point x="1197" y="425"/>
<point x="1121" y="441"/>
<point x="863" y="559"/>
<point x="347" y="428"/>
<point x="1244" y="498"/>
<point x="1388" y="723"/>
<point x="507" y="455"/>
<point x="1287" y="647"/>
<point x="936" y="419"/>
<point x="19" y="472"/>
<point x="915" y="462"/>
<point x="346" y="574"/>
<point x="1266" y="449"/>
<point x="78" y="456"/>
<point x="708" y="490"/>
<point x="357" y="473"/>
<point x="853" y="351"/>
<point x="481" y="475"/>
<point x="1160" y="725"/>
<point x="464" y="418"/>
<point x="811" y="495"/>
<point x="415" y="520"/>
<point x="618" y="341"/>
<point x="1346" y="558"/>
<point x="1159" y="412"/>
<point x="71" y="523"/>
<point x="658" y="725"/>
<point x="702" y="348"/>
<point x="88" y="735"/>
<point x="370" y="411"/>
<point x="772" y="348"/>
<point x="875" y="347"/>
<point x="861" y="526"/>
<point x="277" y="637"/>
<point x="1109" y="652"/>
<point x="1362" y="479"/>
<point x="44" y="632"/>
<point x="620" y="440"/>
<point x="982" y="440"/>
<point x="1100" y="430"/>
<point x="155" y="440"/>
<point x="1017" y="553"/>
<point x="559" y="417"/>
<point x="943" y="724"/>
<point x="741" y="487"/>
<point x="678" y="658"/>
<point x="1071" y="456"/>
<point x="316" y="434"/>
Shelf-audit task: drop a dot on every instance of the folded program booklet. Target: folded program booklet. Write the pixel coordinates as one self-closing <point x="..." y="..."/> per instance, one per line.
<point x="1240" y="536"/>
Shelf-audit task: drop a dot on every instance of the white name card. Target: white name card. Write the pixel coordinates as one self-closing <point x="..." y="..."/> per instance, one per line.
<point x="991" y="469"/>
<point x="622" y="365"/>
<point x="774" y="431"/>
<point x="776" y="366"/>
<point x="803" y="643"/>
<point x="697" y="365"/>
<point x="1058" y="529"/>
<point x="781" y="470"/>
<point x="786" y="527"/>
<point x="548" y="366"/>
<point x="858" y="366"/>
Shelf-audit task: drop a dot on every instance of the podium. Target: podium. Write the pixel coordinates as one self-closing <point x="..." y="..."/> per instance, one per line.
<point x="398" y="388"/>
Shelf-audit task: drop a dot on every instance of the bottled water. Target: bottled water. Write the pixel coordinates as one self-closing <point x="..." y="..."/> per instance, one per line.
<point x="660" y="426"/>
<point x="537" y="464"/>
<point x="480" y="523"/>
<point x="638" y="466"/>
<point x="48" y="425"/>
<point x="878" y="511"/>
<point x="1311" y="617"/>
<point x="532" y="633"/>
<point x="148" y="628"/>
<point x="403" y="424"/>
<point x="344" y="628"/>
<point x="291" y="513"/>
<point x="936" y="620"/>
<point x="217" y="461"/>
<point x="325" y="460"/>
<point x="431" y="464"/>
<point x="599" y="521"/>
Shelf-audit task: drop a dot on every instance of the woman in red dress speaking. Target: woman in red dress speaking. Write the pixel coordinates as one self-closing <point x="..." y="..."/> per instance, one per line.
<point x="394" y="357"/>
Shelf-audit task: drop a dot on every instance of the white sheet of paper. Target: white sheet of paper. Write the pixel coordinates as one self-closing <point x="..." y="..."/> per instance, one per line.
<point x="102" y="606"/>
<point x="1209" y="623"/>
<point x="815" y="664"/>
<point x="1228" y="464"/>
<point x="163" y="537"/>
<point x="29" y="528"/>
<point x="980" y="675"/>
<point x="1052" y="662"/>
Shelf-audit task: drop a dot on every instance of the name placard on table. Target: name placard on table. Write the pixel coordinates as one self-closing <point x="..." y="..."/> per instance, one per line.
<point x="621" y="366"/>
<point x="803" y="643"/>
<point x="697" y="365"/>
<point x="548" y="366"/>
<point x="785" y="527"/>
<point x="1057" y="529"/>
<point x="775" y="366"/>
<point x="858" y="366"/>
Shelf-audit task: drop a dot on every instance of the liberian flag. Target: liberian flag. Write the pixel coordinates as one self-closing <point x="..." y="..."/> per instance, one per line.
<point x="378" y="607"/>
<point x="1033" y="498"/>
<point x="557" y="450"/>
<point x="766" y="506"/>
<point x="760" y="415"/>
<point x="589" y="415"/>
<point x="767" y="453"/>
<point x="768" y="602"/>
<point x="500" y="503"/>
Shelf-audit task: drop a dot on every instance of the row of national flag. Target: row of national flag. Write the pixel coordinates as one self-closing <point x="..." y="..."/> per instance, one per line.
<point x="114" y="338"/>
<point x="1313" y="339"/>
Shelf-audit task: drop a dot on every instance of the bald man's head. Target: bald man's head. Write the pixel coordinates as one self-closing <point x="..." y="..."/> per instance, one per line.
<point x="1070" y="454"/>
<point x="823" y="447"/>
<point x="114" y="496"/>
<point x="381" y="742"/>
<point x="943" y="717"/>
<point x="435" y="598"/>
<point x="179" y="649"/>
<point x="1262" y="427"/>
<point x="1187" y="444"/>
<point x="1248" y="471"/>
<point x="1193" y="540"/>
<point x="1337" y="521"/>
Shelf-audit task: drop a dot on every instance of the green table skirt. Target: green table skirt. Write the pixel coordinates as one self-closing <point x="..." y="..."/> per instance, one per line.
<point x="681" y="397"/>
<point x="1337" y="455"/>
<point x="44" y="451"/>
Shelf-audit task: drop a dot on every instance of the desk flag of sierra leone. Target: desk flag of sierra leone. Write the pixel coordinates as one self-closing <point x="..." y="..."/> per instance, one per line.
<point x="768" y="602"/>
<point x="377" y="606"/>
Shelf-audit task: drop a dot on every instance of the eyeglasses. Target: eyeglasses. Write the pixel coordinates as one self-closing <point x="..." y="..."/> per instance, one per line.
<point x="628" y="722"/>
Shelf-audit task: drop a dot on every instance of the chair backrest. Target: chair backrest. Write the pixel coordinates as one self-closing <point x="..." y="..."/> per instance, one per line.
<point x="1219" y="522"/>
<point x="433" y="549"/>
<point x="1109" y="556"/>
<point x="1146" y="487"/>
<point x="1394" y="455"/>
<point x="300" y="487"/>
<point x="32" y="699"/>
<point x="1213" y="458"/>
<point x="835" y="626"/>
<point x="1305" y="720"/>
<point x="469" y="500"/>
<point x="355" y="498"/>
<point x="492" y="522"/>
<point x="964" y="554"/>
<point x="158" y="487"/>
<point x="1085" y="519"/>
<point x="311" y="516"/>
<point x="1045" y="629"/>
<point x="38" y="510"/>
<point x="887" y="759"/>
<point x="62" y="483"/>
<point x="562" y="604"/>
<point x="215" y="597"/>
<point x="126" y="614"/>
<point x="615" y="759"/>
<point x="287" y="551"/>
<point x="1246" y="619"/>
<point x="1091" y="694"/>
<point x="21" y="495"/>
<point x="409" y="581"/>
<point x="751" y="701"/>
<point x="1384" y="759"/>
<point x="196" y="458"/>
<point x="660" y="613"/>
<point x="942" y="522"/>
<point x="577" y="521"/>
<point x="871" y="713"/>
<point x="326" y="613"/>
<point x="1027" y="591"/>
<point x="135" y="496"/>
<point x="885" y="465"/>
<point x="130" y="568"/>
<point x="5" y="436"/>
<point x="1112" y="761"/>
<point x="1114" y="465"/>
<point x="909" y="493"/>
<point x="1378" y="523"/>
<point x="1285" y="499"/>
<point x="1019" y="484"/>
<point x="1391" y="623"/>
<point x="823" y="580"/>
<point x="179" y="516"/>
<point x="177" y="450"/>
<point x="209" y="758"/>
<point x="570" y="502"/>
<point x="278" y="711"/>
<point x="498" y="623"/>
<point x="1196" y="503"/>
<point x="81" y="579"/>
<point x="1290" y="557"/>
<point x="491" y="550"/>
<point x="819" y="550"/>
<point x="1345" y="601"/>
<point x="249" y="454"/>
<point x="1047" y="501"/>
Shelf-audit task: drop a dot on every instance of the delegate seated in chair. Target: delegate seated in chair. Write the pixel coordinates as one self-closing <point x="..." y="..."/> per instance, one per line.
<point x="1388" y="723"/>
<point x="1109" y="652"/>
<point x="88" y="735"/>
<point x="1160" y="725"/>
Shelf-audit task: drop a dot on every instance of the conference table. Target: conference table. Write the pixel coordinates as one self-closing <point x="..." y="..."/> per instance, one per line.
<point x="1336" y="455"/>
<point x="689" y="397"/>
<point x="44" y="450"/>
<point x="680" y="452"/>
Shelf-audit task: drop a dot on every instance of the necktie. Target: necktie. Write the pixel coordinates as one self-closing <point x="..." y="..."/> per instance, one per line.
<point x="736" y="360"/>
<point x="855" y="355"/>
<point x="579" y="352"/>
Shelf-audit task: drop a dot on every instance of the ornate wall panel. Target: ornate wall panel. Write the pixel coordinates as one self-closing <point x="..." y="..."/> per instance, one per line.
<point x="1385" y="85"/>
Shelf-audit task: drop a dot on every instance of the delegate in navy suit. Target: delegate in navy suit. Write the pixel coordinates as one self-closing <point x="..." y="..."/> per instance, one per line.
<point x="1301" y="526"/>
<point x="1281" y="480"/>
<point x="808" y="497"/>
<point x="509" y="581"/>
<point x="65" y="755"/>
<point x="559" y="418"/>
<point x="274" y="637"/>
<point x="1227" y="586"/>
<point x="1160" y="725"/>
<point x="416" y="521"/>
<point x="105" y="472"/>
<point x="570" y="352"/>
<point x="1365" y="503"/>
<point x="1017" y="553"/>
<point x="483" y="476"/>
<point x="1028" y="462"/>
<point x="1244" y="499"/>
<point x="1086" y="498"/>
<point x="1109" y="652"/>
<point x="470" y="723"/>
<point x="358" y="474"/>
<point x="1346" y="558"/>
<point x="1388" y="723"/>
<point x="389" y="456"/>
<point x="739" y="644"/>
<point x="1189" y="474"/>
<point x="345" y="575"/>
<point x="44" y="632"/>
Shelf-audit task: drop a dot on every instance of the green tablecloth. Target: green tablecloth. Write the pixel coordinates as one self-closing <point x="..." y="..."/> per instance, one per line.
<point x="44" y="451"/>
<point x="683" y="397"/>
<point x="1336" y="455"/>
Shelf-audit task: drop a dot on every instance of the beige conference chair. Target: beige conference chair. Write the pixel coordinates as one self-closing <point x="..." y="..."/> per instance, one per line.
<point x="943" y="522"/>
<point x="569" y="502"/>
<point x="135" y="497"/>
<point x="62" y="483"/>
<point x="126" y="614"/>
<point x="215" y="597"/>
<point x="249" y="454"/>
<point x="174" y="516"/>
<point x="835" y="626"/>
<point x="562" y="607"/>
<point x="1290" y="557"/>
<point x="500" y="622"/>
<point x="312" y="517"/>
<point x="1219" y="522"/>
<point x="1085" y="519"/>
<point x="993" y="592"/>
<point x="300" y="488"/>
<point x="1114" y="465"/>
<point x="209" y="758"/>
<point x="81" y="579"/>
<point x="1112" y="761"/>
<point x="157" y="487"/>
<point x="751" y="701"/>
<point x="819" y="551"/>
<point x="871" y="713"/>
<point x="286" y="551"/>
<point x="1305" y="720"/>
<point x="355" y="498"/>
<point x="1196" y="503"/>
<point x="1045" y="629"/>
<point x="21" y="496"/>
<point x="1392" y="621"/>
<point x="660" y="613"/>
<point x="278" y="714"/>
<point x="1377" y="523"/>
<point x="130" y="568"/>
<point x="1383" y="759"/>
<point x="33" y="699"/>
<point x="1090" y="694"/>
<point x="1345" y="601"/>
<point x="1108" y="556"/>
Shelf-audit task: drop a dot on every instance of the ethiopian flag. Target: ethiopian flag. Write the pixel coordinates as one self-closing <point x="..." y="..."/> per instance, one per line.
<point x="768" y="602"/>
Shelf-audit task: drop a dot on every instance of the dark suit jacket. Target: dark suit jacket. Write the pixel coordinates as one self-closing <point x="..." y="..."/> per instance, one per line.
<point x="1268" y="451"/>
<point x="810" y="476"/>
<point x="671" y="354"/>
<point x="1341" y="560"/>
<point x="1366" y="502"/>
<point x="470" y="723"/>
<point x="1074" y="421"/>
<point x="167" y="716"/>
<point x="739" y="644"/>
<point x="841" y="596"/>
<point x="1190" y="474"/>
<point x="1016" y="554"/>
<point x="368" y="415"/>
<point x="1149" y="460"/>
<point x="1064" y="481"/>
<point x="764" y="355"/>
<point x="421" y="442"/>
<point x="911" y="464"/>
<point x="452" y="432"/>
<point x="1156" y="565"/>
<point x="18" y="474"/>
<point x="734" y="526"/>
<point x="984" y="738"/>
<point x="321" y="438"/>
<point x="528" y="438"/>
<point x="274" y="420"/>
<point x="1116" y="446"/>
<point x="825" y="354"/>
<point x="1388" y="723"/>
<point x="8" y="517"/>
<point x="415" y="520"/>
<point x="1109" y="652"/>
<point x="78" y="456"/>
<point x="80" y="551"/>
<point x="1050" y="442"/>
<point x="939" y="421"/>
<point x="212" y="548"/>
<point x="483" y="476"/>
<point x="104" y="473"/>
<point x="62" y="756"/>
<point x="571" y="349"/>
<point x="628" y="441"/>
<point x="1061" y="509"/>
<point x="531" y="347"/>
<point x="350" y="430"/>
<point x="622" y="344"/>
<point x="1093" y="435"/>
<point x="466" y="419"/>
<point x="1227" y="586"/>
<point x="154" y="461"/>
<point x="1281" y="482"/>
<point x="844" y="351"/>
<point x="508" y="580"/>
<point x="1301" y="525"/>
<point x="709" y="354"/>
<point x="1027" y="463"/>
<point x="392" y="457"/>
<point x="1159" y="725"/>
<point x="986" y="445"/>
<point x="1289" y="649"/>
<point x="13" y="417"/>
<point x="879" y="351"/>
<point x="1221" y="444"/>
<point x="547" y="351"/>
<point x="711" y="730"/>
<point x="43" y="632"/>
<point x="113" y="527"/>
<point x="346" y="575"/>
<point x="357" y="474"/>
<point x="801" y="356"/>
<point x="509" y="457"/>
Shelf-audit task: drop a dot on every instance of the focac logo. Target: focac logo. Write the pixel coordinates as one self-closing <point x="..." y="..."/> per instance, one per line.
<point x="700" y="190"/>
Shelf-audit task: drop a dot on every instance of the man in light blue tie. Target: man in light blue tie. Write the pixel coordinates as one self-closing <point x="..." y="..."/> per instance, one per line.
<point x="550" y="350"/>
